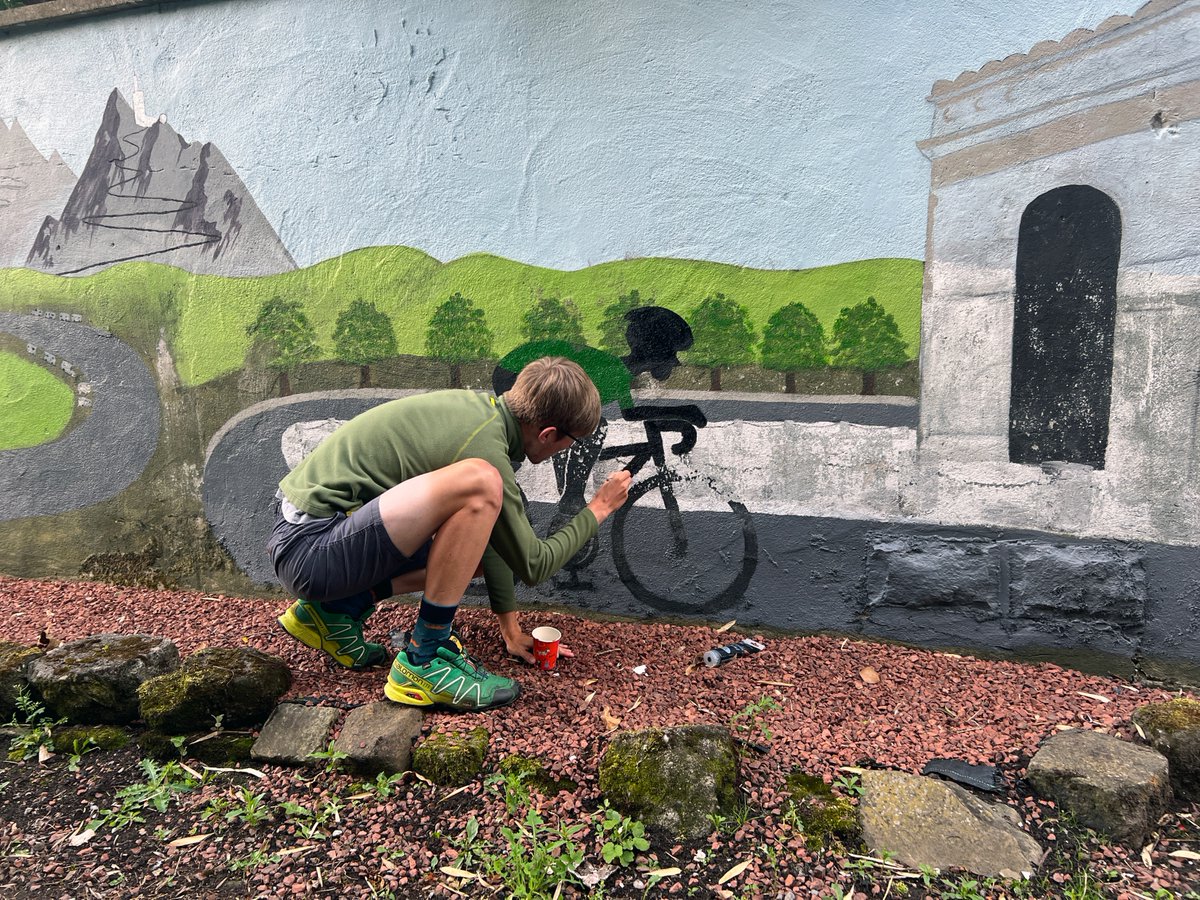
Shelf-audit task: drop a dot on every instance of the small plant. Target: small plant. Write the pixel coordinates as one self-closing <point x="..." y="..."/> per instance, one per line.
<point x="516" y="792"/>
<point x="623" y="838"/>
<point x="161" y="786"/>
<point x="249" y="807"/>
<point x="384" y="784"/>
<point x="309" y="823"/>
<point x="791" y="817"/>
<point x="963" y="889"/>
<point x="746" y="719"/>
<point x="216" y="808"/>
<point x="740" y="814"/>
<point x="79" y="749"/>
<point x="534" y="860"/>
<point x="37" y="727"/>
<point x="538" y="858"/>
<point x="849" y="784"/>
<point x="466" y="843"/>
<point x="332" y="756"/>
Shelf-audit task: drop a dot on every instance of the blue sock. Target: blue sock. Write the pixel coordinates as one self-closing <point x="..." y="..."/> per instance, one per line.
<point x="433" y="627"/>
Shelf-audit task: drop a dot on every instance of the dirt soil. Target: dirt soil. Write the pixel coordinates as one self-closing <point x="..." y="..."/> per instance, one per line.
<point x="249" y="837"/>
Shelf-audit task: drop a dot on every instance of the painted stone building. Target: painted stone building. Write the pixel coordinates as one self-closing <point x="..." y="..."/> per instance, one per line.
<point x="1061" y="317"/>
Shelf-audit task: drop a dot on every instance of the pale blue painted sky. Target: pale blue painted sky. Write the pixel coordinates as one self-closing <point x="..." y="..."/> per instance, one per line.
<point x="778" y="133"/>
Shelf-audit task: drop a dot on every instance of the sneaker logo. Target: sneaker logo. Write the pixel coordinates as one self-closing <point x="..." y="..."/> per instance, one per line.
<point x="460" y="689"/>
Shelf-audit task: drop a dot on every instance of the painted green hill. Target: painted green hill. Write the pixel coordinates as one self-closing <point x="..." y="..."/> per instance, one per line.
<point x="205" y="316"/>
<point x="35" y="406"/>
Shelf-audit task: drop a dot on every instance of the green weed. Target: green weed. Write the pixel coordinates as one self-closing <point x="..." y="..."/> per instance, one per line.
<point x="623" y="837"/>
<point x="37" y="726"/>
<point x="157" y="792"/>
<point x="332" y="756"/>
<point x="748" y="718"/>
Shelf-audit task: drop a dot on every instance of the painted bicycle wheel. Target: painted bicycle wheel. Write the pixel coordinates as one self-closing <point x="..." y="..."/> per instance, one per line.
<point x="698" y="563"/>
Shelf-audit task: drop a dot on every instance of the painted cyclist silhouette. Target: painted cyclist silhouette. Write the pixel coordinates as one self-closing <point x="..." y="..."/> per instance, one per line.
<point x="656" y="557"/>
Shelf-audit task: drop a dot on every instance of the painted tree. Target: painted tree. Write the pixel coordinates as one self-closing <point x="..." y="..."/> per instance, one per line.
<point x="866" y="337"/>
<point x="551" y="319"/>
<point x="289" y="338"/>
<point x="794" y="339"/>
<point x="458" y="334"/>
<point x="613" y="324"/>
<point x="723" y="336"/>
<point x="362" y="336"/>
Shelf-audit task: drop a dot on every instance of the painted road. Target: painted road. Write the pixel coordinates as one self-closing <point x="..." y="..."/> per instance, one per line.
<point x="105" y="453"/>
<point x="255" y="449"/>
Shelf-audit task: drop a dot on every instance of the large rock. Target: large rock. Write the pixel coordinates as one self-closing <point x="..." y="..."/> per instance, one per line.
<point x="1173" y="729"/>
<point x="294" y="733"/>
<point x="673" y="779"/>
<point x="95" y="681"/>
<point x="239" y="684"/>
<point x="379" y="737"/>
<point x="452" y="759"/>
<point x="924" y="821"/>
<point x="1112" y="786"/>
<point x="14" y="661"/>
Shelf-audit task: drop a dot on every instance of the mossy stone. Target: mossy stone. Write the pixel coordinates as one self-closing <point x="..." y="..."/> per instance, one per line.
<point x="828" y="820"/>
<point x="240" y="685"/>
<point x="672" y="779"/>
<point x="13" y="661"/>
<point x="102" y="737"/>
<point x="94" y="681"/>
<point x="1173" y="729"/>
<point x="451" y="759"/>
<point x="533" y="773"/>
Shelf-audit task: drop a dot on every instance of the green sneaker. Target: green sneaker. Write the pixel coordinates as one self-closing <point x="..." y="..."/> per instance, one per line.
<point x="451" y="680"/>
<point x="339" y="635"/>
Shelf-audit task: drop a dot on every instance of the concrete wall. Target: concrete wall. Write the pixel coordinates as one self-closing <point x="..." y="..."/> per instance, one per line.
<point x="167" y="184"/>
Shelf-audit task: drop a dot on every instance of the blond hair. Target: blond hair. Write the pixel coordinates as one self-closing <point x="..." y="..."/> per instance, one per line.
<point x="554" y="392"/>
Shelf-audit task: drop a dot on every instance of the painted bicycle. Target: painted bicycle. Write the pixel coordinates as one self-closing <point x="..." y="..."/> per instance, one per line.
<point x="699" y="562"/>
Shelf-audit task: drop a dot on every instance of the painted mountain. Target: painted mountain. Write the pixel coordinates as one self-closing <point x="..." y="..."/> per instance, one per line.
<point x="31" y="188"/>
<point x="147" y="194"/>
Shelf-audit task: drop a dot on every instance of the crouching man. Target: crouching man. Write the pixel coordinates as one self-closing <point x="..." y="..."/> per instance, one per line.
<point x="419" y="495"/>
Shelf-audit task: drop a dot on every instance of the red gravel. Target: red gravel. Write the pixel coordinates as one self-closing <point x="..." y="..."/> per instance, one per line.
<point x="926" y="704"/>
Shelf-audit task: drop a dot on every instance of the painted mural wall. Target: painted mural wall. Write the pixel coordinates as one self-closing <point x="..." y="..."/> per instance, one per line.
<point x="937" y="383"/>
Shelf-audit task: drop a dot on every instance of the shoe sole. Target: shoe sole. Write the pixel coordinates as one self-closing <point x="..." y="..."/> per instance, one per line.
<point x="414" y="696"/>
<point x="307" y="637"/>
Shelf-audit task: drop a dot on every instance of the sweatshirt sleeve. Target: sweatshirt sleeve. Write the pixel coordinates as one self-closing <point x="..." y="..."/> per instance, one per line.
<point x="501" y="584"/>
<point x="515" y="542"/>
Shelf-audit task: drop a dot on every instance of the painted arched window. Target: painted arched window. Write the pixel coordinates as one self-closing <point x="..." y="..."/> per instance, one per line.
<point x="1066" y="302"/>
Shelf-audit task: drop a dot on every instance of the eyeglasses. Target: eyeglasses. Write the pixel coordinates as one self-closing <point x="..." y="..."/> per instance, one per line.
<point x="567" y="433"/>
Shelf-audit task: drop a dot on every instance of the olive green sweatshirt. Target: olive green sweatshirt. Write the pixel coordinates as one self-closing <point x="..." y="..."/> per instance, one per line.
<point x="415" y="435"/>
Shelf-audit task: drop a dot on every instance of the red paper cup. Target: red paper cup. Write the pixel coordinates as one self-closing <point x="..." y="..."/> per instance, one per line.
<point x="545" y="646"/>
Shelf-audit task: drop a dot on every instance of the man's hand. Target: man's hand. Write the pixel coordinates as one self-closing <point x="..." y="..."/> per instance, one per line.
<point x="517" y="642"/>
<point x="611" y="496"/>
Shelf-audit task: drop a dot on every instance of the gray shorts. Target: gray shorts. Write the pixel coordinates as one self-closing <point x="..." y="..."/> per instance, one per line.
<point x="337" y="557"/>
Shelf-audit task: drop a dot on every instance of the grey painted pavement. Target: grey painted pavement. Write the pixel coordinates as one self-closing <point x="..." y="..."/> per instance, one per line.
<point x="106" y="452"/>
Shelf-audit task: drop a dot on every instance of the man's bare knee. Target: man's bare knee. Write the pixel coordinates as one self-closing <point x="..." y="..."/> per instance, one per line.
<point x="484" y="483"/>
